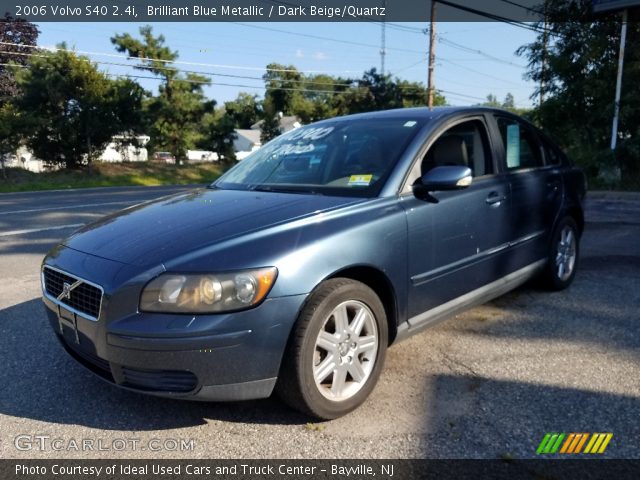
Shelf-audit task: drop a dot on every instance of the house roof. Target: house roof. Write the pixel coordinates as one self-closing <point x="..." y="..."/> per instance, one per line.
<point x="252" y="135"/>
<point x="287" y="123"/>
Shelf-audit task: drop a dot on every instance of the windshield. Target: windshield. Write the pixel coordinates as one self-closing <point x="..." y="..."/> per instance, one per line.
<point x="350" y="158"/>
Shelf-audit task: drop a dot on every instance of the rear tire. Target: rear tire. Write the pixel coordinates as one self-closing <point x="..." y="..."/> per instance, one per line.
<point x="336" y="350"/>
<point x="564" y="250"/>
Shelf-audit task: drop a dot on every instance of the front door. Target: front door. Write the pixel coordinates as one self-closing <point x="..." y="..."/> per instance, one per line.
<point x="456" y="237"/>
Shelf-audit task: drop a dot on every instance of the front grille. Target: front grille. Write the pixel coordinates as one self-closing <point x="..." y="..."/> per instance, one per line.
<point x="159" y="380"/>
<point x="85" y="298"/>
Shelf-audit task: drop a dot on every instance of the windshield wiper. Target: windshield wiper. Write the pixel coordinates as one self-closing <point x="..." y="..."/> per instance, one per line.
<point x="284" y="189"/>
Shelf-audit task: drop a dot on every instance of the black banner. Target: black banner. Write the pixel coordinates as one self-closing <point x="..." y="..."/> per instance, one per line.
<point x="269" y="10"/>
<point x="317" y="469"/>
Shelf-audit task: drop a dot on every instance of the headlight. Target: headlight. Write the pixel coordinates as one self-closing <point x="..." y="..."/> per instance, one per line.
<point x="207" y="293"/>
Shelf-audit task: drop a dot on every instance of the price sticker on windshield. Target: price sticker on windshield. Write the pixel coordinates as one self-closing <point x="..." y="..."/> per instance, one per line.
<point x="360" y="180"/>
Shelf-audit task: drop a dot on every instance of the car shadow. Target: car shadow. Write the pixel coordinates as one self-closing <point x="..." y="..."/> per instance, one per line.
<point x="598" y="310"/>
<point x="41" y="382"/>
<point x="475" y="416"/>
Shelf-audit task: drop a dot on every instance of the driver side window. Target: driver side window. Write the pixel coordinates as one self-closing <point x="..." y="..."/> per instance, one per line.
<point x="465" y="144"/>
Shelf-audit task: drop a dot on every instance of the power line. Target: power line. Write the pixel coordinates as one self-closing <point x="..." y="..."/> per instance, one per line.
<point x="176" y="62"/>
<point x="304" y="82"/>
<point x="201" y="82"/>
<point x="529" y="9"/>
<point x="329" y="39"/>
<point x="480" y="73"/>
<point x="458" y="46"/>
<point x="352" y="86"/>
<point x="482" y="13"/>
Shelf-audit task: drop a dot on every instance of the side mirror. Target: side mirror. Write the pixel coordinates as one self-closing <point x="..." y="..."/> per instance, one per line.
<point x="449" y="177"/>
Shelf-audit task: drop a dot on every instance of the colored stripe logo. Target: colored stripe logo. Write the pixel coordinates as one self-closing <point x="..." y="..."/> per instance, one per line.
<point x="574" y="443"/>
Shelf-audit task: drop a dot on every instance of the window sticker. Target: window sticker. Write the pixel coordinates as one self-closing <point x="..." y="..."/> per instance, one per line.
<point x="513" y="146"/>
<point x="410" y="123"/>
<point x="293" y="149"/>
<point x="360" y="180"/>
<point x="309" y="133"/>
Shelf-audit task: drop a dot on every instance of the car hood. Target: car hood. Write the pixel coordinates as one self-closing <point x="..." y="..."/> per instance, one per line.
<point x="157" y="231"/>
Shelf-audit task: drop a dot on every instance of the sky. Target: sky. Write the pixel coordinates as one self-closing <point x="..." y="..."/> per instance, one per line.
<point x="473" y="59"/>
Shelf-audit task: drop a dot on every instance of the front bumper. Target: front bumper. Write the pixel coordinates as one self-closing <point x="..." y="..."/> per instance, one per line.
<point x="234" y="356"/>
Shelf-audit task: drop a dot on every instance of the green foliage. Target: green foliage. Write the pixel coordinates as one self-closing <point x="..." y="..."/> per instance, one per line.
<point x="107" y="174"/>
<point x="175" y="114"/>
<point x="69" y="110"/>
<point x="244" y="111"/>
<point x="579" y="77"/>
<point x="508" y="104"/>
<point x="381" y="92"/>
<point x="315" y="97"/>
<point x="270" y="126"/>
<point x="218" y="134"/>
<point x="22" y="35"/>
<point x="283" y="83"/>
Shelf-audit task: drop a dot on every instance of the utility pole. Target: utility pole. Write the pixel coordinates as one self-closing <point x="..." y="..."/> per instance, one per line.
<point x="383" y="42"/>
<point x="432" y="53"/>
<point x="616" y="115"/>
<point x="545" y="46"/>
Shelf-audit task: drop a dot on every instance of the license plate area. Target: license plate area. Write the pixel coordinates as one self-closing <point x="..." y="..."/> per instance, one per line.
<point x="69" y="319"/>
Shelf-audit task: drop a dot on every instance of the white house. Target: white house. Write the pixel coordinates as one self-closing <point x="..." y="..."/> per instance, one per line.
<point x="114" y="152"/>
<point x="248" y="140"/>
<point x="119" y="151"/>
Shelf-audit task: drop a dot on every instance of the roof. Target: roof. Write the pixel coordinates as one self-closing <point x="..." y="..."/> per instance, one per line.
<point x="286" y="123"/>
<point x="420" y="113"/>
<point x="252" y="135"/>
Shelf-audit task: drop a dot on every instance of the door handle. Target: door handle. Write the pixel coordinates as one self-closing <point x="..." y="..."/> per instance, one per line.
<point x="495" y="199"/>
<point x="553" y="185"/>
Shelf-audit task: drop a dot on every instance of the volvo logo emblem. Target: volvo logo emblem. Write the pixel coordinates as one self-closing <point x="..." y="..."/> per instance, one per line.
<point x="67" y="288"/>
<point x="66" y="291"/>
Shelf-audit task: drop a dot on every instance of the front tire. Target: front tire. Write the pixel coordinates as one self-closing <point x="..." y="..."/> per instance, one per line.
<point x="336" y="351"/>
<point x="563" y="255"/>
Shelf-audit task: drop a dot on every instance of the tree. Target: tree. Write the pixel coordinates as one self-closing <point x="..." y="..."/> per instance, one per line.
<point x="283" y="84"/>
<point x="175" y="115"/>
<point x="70" y="110"/>
<point x="270" y="127"/>
<point x="218" y="134"/>
<point x="244" y="111"/>
<point x="381" y="92"/>
<point x="10" y="133"/>
<point x="577" y="69"/>
<point x="16" y="35"/>
<point x="492" y="101"/>
<point x="509" y="103"/>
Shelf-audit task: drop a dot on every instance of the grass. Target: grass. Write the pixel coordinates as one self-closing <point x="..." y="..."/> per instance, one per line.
<point x="110" y="175"/>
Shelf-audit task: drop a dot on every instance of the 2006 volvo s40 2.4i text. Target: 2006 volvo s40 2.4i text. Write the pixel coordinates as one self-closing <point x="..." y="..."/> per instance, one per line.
<point x="296" y="269"/>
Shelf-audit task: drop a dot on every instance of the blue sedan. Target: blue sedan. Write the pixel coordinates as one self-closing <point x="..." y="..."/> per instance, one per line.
<point x="296" y="269"/>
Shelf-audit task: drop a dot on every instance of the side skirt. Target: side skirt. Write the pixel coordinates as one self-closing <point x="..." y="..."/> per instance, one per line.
<point x="476" y="297"/>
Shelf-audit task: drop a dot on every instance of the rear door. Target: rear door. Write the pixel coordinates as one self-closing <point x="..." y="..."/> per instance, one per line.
<point x="535" y="185"/>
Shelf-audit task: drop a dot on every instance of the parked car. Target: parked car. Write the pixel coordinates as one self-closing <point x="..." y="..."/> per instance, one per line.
<point x="296" y="269"/>
<point x="165" y="157"/>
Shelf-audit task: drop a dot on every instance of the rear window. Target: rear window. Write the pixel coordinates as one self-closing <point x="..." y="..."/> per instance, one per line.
<point x="522" y="150"/>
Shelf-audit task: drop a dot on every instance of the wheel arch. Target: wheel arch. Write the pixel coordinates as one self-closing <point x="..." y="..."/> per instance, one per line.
<point x="377" y="281"/>
<point x="577" y="214"/>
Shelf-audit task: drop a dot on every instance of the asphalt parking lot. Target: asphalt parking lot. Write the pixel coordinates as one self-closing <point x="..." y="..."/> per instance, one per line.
<point x="487" y="384"/>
